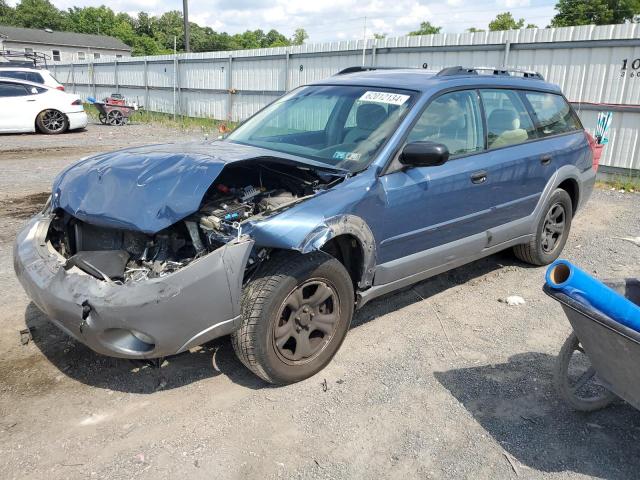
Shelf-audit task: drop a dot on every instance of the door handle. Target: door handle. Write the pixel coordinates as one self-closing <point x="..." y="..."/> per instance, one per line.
<point x="31" y="100"/>
<point x="479" y="177"/>
<point x="545" y="159"/>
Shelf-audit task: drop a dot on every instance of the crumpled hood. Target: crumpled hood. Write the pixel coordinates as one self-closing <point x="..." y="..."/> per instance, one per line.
<point x="147" y="188"/>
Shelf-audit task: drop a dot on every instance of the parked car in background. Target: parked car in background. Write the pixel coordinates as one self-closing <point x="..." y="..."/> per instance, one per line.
<point x="30" y="107"/>
<point x="36" y="75"/>
<point x="336" y="193"/>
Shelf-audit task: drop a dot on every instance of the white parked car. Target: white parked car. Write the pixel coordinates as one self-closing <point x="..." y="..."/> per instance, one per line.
<point x="36" y="75"/>
<point x="29" y="107"/>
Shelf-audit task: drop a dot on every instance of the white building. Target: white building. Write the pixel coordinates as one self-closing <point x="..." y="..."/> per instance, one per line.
<point x="61" y="47"/>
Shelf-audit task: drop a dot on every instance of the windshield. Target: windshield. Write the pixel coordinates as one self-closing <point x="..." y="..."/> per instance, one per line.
<point x="340" y="126"/>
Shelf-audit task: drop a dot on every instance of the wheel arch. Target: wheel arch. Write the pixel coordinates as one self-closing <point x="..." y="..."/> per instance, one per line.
<point x="570" y="185"/>
<point x="349" y="239"/>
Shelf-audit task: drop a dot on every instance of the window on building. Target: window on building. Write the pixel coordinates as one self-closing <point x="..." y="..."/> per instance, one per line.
<point x="508" y="121"/>
<point x="56" y="55"/>
<point x="81" y="56"/>
<point x="28" y="50"/>
<point x="96" y="55"/>
<point x="118" y="56"/>
<point x="454" y="120"/>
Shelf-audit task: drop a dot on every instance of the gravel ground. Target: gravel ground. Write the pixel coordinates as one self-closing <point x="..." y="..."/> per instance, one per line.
<point x="441" y="380"/>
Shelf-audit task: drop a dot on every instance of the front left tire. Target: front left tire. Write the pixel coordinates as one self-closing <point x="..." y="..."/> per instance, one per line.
<point x="296" y="313"/>
<point x="52" y="122"/>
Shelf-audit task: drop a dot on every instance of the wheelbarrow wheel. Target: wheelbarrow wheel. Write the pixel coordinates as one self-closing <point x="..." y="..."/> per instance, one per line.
<point x="115" y="117"/>
<point x="103" y="118"/>
<point x="576" y="380"/>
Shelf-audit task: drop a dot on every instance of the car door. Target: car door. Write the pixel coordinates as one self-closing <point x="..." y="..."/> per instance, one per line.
<point x="432" y="214"/>
<point x="520" y="165"/>
<point x="18" y="107"/>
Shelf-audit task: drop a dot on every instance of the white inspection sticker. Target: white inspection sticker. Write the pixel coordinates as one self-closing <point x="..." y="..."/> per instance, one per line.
<point x="384" y="97"/>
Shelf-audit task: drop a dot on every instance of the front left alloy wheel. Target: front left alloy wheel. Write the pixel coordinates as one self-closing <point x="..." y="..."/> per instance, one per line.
<point x="296" y="313"/>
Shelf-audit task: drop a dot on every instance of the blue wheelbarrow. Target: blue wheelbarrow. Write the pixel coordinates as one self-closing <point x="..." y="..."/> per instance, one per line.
<point x="600" y="360"/>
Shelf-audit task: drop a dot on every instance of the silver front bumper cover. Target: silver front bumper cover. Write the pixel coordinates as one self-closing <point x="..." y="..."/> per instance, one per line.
<point x="144" y="319"/>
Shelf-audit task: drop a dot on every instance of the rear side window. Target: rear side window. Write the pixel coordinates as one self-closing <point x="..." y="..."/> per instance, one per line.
<point x="553" y="113"/>
<point x="508" y="121"/>
<point x="454" y="120"/>
<point x="30" y="76"/>
<point x="12" y="90"/>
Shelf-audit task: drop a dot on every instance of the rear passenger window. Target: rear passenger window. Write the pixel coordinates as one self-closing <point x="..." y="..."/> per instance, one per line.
<point x="12" y="90"/>
<point x="508" y="122"/>
<point x="553" y="112"/>
<point x="454" y="120"/>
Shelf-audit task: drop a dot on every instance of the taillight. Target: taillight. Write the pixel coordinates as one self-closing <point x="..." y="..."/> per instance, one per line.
<point x="60" y="87"/>
<point x="596" y="150"/>
<point x="77" y="102"/>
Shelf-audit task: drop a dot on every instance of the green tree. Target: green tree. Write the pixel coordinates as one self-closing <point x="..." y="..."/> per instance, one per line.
<point x="595" y="12"/>
<point x="505" y="21"/>
<point x="39" y="14"/>
<point x="7" y="15"/>
<point x="426" y="28"/>
<point x="299" y="36"/>
<point x="475" y="30"/>
<point x="379" y="36"/>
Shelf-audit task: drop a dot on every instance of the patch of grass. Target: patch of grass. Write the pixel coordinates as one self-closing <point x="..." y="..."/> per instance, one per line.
<point x="628" y="183"/>
<point x="166" y="119"/>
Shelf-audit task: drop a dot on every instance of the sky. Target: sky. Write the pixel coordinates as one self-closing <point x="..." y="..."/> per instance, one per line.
<point x="327" y="20"/>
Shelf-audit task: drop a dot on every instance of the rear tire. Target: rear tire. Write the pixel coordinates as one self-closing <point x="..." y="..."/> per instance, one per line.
<point x="290" y="331"/>
<point x="552" y="231"/>
<point x="52" y="122"/>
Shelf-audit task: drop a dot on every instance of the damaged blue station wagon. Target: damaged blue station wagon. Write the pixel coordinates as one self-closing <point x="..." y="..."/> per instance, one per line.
<point x="336" y="193"/>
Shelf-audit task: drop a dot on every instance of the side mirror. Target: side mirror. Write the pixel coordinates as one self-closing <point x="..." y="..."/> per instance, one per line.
<point x="424" y="154"/>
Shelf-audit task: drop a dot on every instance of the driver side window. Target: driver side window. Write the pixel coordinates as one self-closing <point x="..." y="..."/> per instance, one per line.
<point x="454" y="120"/>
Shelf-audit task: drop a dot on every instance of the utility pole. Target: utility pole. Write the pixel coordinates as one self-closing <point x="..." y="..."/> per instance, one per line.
<point x="185" y="15"/>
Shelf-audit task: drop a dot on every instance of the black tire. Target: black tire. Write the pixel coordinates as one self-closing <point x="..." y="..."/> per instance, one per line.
<point x="600" y="397"/>
<point x="540" y="250"/>
<point x="283" y="288"/>
<point x="103" y="118"/>
<point x="52" y="122"/>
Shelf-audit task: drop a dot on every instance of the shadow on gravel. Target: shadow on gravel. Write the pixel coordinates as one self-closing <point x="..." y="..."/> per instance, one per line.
<point x="216" y="357"/>
<point x="516" y="404"/>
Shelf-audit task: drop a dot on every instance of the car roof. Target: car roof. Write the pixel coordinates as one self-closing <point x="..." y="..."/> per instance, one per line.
<point x="23" y="69"/>
<point x="422" y="80"/>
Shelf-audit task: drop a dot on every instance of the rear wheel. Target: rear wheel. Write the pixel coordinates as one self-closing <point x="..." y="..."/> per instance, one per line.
<point x="52" y="122"/>
<point x="296" y="314"/>
<point x="551" y="233"/>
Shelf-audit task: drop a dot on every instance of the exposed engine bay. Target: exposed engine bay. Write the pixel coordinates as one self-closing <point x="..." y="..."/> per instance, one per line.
<point x="240" y="193"/>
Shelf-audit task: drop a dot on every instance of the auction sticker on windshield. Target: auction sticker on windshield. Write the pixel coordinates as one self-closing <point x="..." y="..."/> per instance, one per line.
<point x="384" y="97"/>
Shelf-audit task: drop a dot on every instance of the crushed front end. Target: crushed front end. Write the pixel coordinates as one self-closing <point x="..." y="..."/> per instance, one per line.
<point x="138" y="294"/>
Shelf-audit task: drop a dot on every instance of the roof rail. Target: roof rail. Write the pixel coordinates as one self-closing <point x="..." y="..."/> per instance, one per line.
<point x="368" y="69"/>
<point x="459" y="70"/>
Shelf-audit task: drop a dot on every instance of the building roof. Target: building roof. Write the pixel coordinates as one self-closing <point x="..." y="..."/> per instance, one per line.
<point x="33" y="35"/>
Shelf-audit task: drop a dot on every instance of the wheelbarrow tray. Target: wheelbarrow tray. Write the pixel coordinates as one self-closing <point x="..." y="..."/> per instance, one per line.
<point x="612" y="348"/>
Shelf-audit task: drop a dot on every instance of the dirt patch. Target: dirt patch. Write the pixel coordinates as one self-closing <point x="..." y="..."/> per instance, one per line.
<point x="23" y="207"/>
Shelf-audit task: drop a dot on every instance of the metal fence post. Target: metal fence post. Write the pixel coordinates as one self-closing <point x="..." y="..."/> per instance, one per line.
<point x="179" y="88"/>
<point x="229" y="89"/>
<point x="115" y="75"/>
<point x="146" y="83"/>
<point x="73" y="78"/>
<point x="93" y="78"/>
<point x="507" y="49"/>
<point x="286" y="70"/>
<point x="373" y="54"/>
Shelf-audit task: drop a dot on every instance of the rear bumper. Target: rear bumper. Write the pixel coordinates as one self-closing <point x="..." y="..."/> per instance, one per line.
<point x="77" y="120"/>
<point x="146" y="319"/>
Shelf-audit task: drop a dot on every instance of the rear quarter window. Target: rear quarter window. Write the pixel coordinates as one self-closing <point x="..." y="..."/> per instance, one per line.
<point x="554" y="115"/>
<point x="30" y="76"/>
